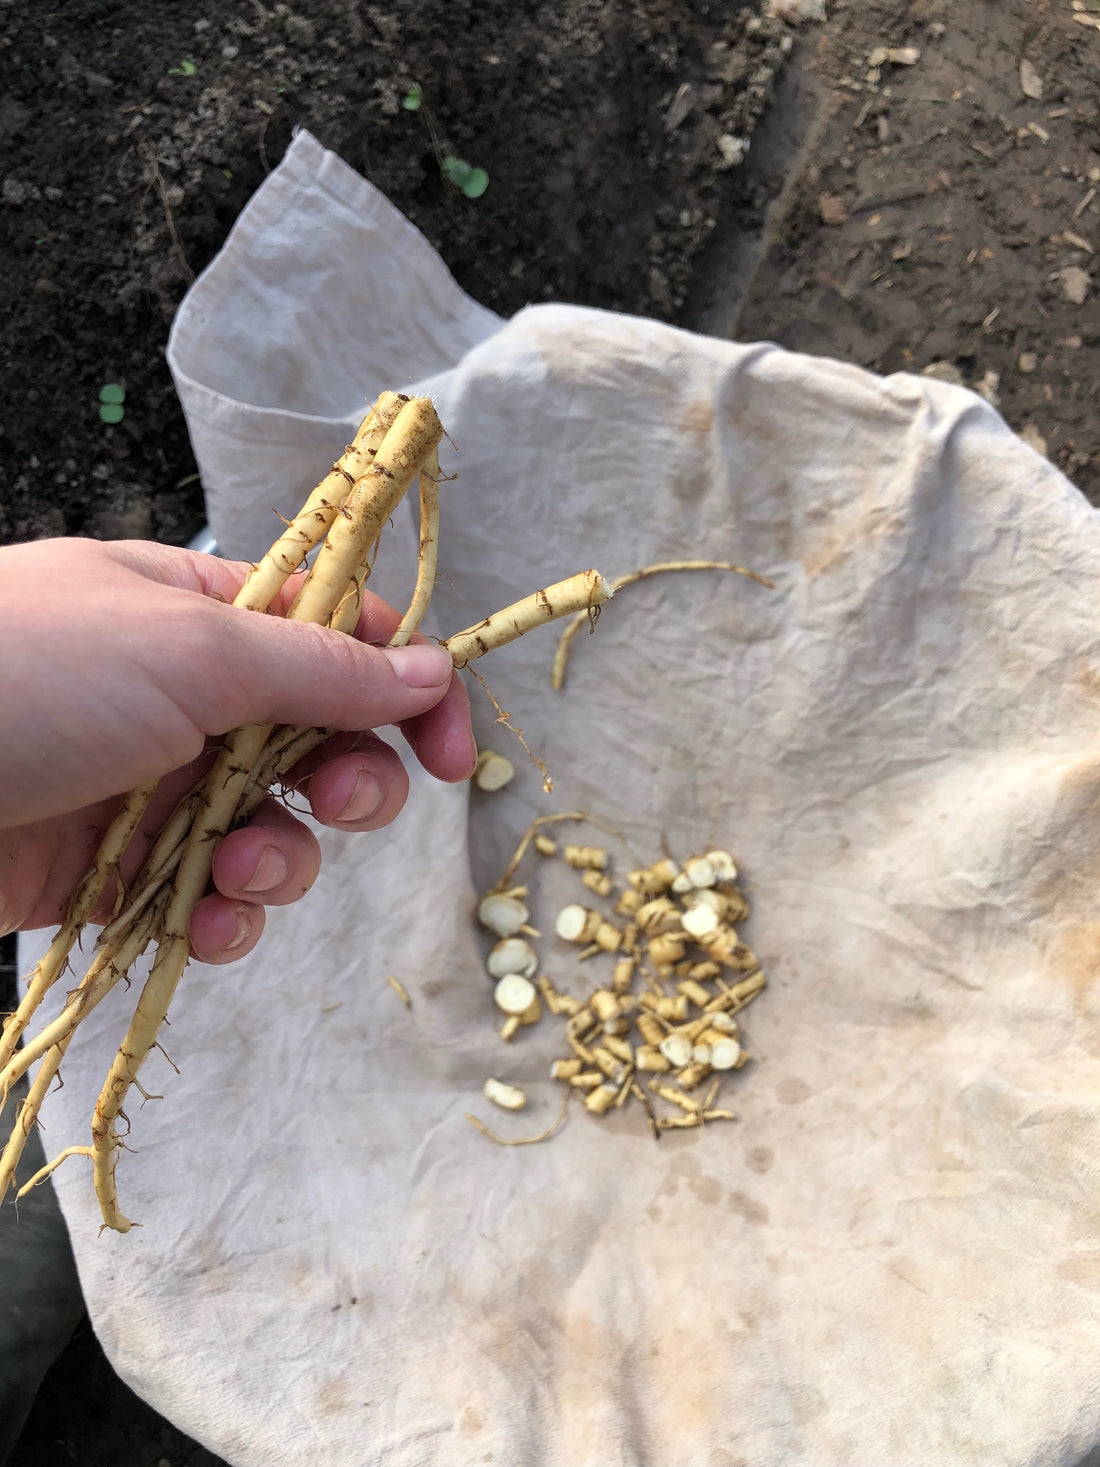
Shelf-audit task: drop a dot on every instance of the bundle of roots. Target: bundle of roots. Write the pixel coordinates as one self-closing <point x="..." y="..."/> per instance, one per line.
<point x="396" y="443"/>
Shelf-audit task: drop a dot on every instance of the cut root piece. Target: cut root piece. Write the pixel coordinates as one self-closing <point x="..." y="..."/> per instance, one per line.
<point x="516" y="996"/>
<point x="557" y="676"/>
<point x="678" y="1044"/>
<point x="493" y="771"/>
<point x="508" y="1097"/>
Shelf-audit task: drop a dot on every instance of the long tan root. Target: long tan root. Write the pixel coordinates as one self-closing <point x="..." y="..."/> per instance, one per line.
<point x="28" y="1114"/>
<point x="557" y="675"/>
<point x="313" y="521"/>
<point x="584" y="593"/>
<point x="370" y="503"/>
<point x="112" y="961"/>
<point x="429" y="552"/>
<point x="89" y="890"/>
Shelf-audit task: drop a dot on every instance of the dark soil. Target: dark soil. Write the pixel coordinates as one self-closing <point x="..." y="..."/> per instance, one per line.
<point x="598" y="124"/>
<point x="939" y="218"/>
<point x="899" y="216"/>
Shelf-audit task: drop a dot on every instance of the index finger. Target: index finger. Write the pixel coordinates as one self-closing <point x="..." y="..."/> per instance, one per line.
<point x="210" y="575"/>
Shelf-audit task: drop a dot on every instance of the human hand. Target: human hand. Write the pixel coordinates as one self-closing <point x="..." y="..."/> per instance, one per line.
<point x="122" y="662"/>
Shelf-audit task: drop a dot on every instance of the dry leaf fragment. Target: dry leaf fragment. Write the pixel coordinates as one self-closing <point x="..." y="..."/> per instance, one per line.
<point x="1075" y="283"/>
<point x="831" y="208"/>
<point x="896" y="55"/>
<point x="1030" y="435"/>
<point x="1031" y="83"/>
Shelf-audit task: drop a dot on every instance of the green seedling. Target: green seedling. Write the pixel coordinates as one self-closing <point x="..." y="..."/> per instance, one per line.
<point x="111" y="398"/>
<point x="466" y="178"/>
<point x="187" y="67"/>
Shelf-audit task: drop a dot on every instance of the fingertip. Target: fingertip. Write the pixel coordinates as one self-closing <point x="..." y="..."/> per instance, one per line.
<point x="442" y="739"/>
<point x="421" y="665"/>
<point x="359" y="791"/>
<point x="222" y="930"/>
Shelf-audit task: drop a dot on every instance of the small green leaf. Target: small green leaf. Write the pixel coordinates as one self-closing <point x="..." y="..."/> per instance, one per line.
<point x="186" y="67"/>
<point x="111" y="412"/>
<point x="412" y="98"/>
<point x="457" y="170"/>
<point x="112" y="393"/>
<point x="477" y="181"/>
<point x="227" y="173"/>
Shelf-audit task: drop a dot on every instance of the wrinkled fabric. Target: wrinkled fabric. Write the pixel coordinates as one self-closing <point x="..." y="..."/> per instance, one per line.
<point x="893" y="1255"/>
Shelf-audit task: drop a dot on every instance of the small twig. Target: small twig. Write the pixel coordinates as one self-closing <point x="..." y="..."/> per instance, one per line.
<point x="505" y="719"/>
<point x="557" y="676"/>
<point x="149" y="158"/>
<point x="523" y="1140"/>
<point x="521" y="850"/>
<point x="400" y="989"/>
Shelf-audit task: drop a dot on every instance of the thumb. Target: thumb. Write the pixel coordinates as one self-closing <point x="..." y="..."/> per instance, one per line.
<point x="264" y="669"/>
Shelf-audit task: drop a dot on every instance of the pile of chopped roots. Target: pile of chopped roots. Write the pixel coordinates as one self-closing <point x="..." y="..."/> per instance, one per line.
<point x="343" y="519"/>
<point x="657" y="1021"/>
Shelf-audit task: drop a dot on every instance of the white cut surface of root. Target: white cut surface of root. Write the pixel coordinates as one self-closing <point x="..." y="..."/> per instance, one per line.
<point x="515" y="996"/>
<point x="504" y="915"/>
<point x="508" y="1097"/>
<point x="493" y="771"/>
<point x="512" y="955"/>
<point x="660" y="1026"/>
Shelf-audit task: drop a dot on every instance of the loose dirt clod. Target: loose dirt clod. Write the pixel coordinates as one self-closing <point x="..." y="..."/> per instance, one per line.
<point x="343" y="519"/>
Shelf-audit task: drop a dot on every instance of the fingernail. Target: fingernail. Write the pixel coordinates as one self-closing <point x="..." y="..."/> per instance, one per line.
<point x="422" y="666"/>
<point x="270" y="872"/>
<point x="470" y="745"/>
<point x="243" y="932"/>
<point x="366" y="798"/>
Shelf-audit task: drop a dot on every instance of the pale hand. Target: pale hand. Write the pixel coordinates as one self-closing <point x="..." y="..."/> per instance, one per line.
<point x="124" y="662"/>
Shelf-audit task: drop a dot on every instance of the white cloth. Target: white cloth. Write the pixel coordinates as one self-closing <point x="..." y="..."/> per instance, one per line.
<point x="892" y="1257"/>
